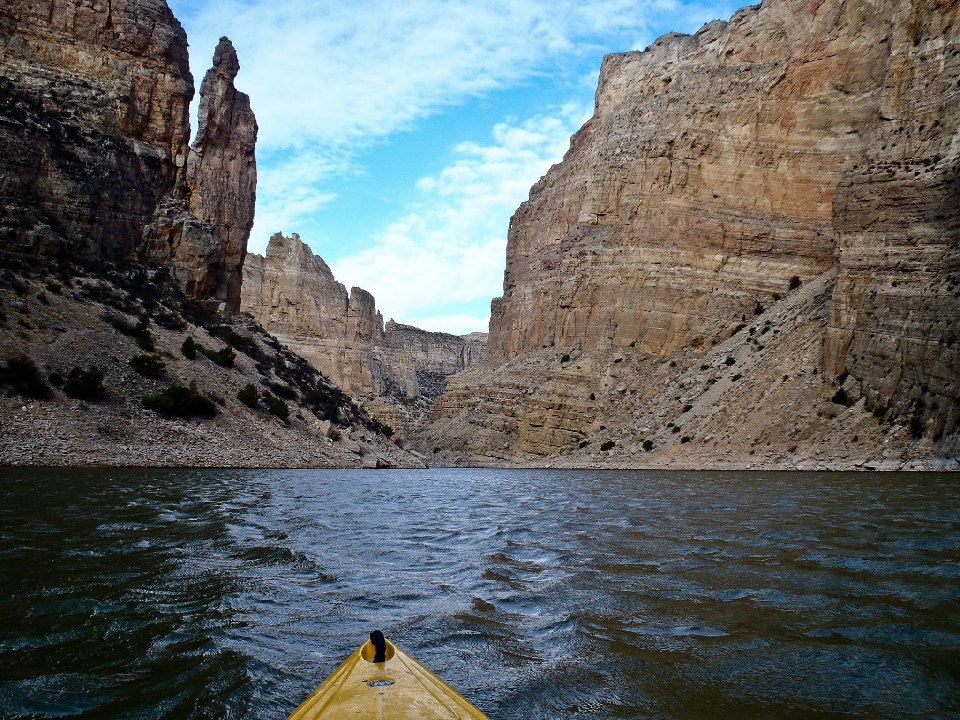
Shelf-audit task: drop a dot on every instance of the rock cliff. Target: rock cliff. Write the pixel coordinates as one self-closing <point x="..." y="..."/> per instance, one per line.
<point x="798" y="142"/>
<point x="398" y="369"/>
<point x="96" y="162"/>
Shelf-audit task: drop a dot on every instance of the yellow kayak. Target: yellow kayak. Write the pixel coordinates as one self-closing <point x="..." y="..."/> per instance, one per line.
<point x="380" y="681"/>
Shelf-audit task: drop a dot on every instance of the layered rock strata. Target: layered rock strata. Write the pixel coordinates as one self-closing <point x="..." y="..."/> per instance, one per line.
<point x="94" y="131"/>
<point x="294" y="294"/>
<point x="719" y="171"/>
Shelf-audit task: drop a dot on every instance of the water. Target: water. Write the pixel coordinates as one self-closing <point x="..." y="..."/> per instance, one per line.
<point x="538" y="594"/>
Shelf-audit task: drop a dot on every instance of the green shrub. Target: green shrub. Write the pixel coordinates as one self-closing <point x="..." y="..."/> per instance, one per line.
<point x="317" y="397"/>
<point x="736" y="377"/>
<point x="279" y="408"/>
<point x="56" y="378"/>
<point x="608" y="445"/>
<point x="386" y="430"/>
<point x="84" y="384"/>
<point x="565" y="358"/>
<point x="151" y="366"/>
<point x="729" y="360"/>
<point x="180" y="401"/>
<point x="758" y="310"/>
<point x="139" y="332"/>
<point x="436" y="450"/>
<point x="794" y="282"/>
<point x="686" y="408"/>
<point x="189" y="348"/>
<point x="648" y="445"/>
<point x="283" y="390"/>
<point x="22" y="375"/>
<point x="684" y="439"/>
<point x="223" y="357"/>
<point x="249" y="395"/>
<point x="582" y="444"/>
<point x="54" y="288"/>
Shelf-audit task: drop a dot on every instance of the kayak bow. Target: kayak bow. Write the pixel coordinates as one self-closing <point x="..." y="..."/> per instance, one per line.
<point x="379" y="680"/>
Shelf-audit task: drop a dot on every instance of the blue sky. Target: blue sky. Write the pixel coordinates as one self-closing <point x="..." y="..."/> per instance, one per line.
<point x="397" y="137"/>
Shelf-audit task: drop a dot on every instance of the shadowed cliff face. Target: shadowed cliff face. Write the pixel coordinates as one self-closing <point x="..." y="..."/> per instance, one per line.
<point x="94" y="101"/>
<point x="799" y="140"/>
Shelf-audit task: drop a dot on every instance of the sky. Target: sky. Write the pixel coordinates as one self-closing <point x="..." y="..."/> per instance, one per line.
<point x="397" y="137"/>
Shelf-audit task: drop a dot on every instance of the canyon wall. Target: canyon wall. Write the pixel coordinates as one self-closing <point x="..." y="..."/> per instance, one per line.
<point x="800" y="142"/>
<point x="294" y="295"/>
<point x="94" y="131"/>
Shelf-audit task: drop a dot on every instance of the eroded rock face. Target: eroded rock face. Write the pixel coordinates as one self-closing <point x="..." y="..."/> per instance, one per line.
<point x="222" y="169"/>
<point x="94" y="102"/>
<point x="294" y="295"/>
<point x="719" y="171"/>
<point x="94" y="131"/>
<point x="895" y="321"/>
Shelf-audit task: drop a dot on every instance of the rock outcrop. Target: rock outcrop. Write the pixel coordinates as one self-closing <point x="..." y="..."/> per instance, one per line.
<point x="294" y="295"/>
<point x="720" y="171"/>
<point x="94" y="132"/>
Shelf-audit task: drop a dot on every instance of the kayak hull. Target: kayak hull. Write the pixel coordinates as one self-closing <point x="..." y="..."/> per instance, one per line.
<point x="398" y="689"/>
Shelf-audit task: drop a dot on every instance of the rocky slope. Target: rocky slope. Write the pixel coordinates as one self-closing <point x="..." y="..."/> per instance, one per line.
<point x="96" y="162"/>
<point x="397" y="370"/>
<point x="799" y="142"/>
<point x="71" y="316"/>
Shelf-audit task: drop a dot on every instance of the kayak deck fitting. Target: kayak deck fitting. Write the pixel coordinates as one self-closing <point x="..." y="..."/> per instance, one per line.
<point x="381" y="681"/>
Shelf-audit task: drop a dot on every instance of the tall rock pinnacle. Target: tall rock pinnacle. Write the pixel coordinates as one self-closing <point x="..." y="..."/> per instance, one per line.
<point x="222" y="169"/>
<point x="95" y="159"/>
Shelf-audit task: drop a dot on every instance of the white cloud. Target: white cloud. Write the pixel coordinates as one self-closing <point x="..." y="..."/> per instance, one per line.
<point x="449" y="249"/>
<point x="289" y="191"/>
<point x="347" y="73"/>
<point x="329" y="80"/>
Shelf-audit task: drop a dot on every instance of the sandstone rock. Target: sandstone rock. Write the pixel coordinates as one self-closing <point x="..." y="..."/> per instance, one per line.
<point x="222" y="169"/>
<point x="294" y="295"/>
<point x="94" y="133"/>
<point x="798" y="141"/>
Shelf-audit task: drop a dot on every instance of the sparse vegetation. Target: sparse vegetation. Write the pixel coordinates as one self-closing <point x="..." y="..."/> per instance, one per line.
<point x="181" y="401"/>
<point x="249" y="395"/>
<point x="139" y="332"/>
<point x="84" y="384"/>
<point x="279" y="408"/>
<point x="283" y="390"/>
<point x="150" y="366"/>
<point x="54" y="288"/>
<point x="189" y="348"/>
<point x="223" y="357"/>
<point x="21" y="374"/>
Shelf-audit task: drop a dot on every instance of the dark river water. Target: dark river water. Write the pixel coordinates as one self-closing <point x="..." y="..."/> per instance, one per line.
<point x="537" y="594"/>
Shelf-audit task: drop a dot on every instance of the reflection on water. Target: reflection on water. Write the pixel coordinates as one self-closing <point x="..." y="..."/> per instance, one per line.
<point x="538" y="594"/>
